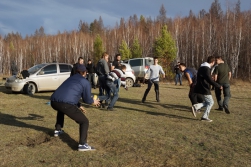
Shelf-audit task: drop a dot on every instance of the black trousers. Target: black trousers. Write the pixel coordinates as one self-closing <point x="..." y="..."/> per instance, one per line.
<point x="194" y="97"/>
<point x="156" y="88"/>
<point x="74" y="113"/>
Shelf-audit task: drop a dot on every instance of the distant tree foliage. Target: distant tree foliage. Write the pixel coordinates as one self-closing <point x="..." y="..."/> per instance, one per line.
<point x="136" y="49"/>
<point x="98" y="48"/>
<point x="83" y="27"/>
<point x="165" y="49"/>
<point x="164" y="45"/>
<point x="162" y="15"/>
<point x="124" y="51"/>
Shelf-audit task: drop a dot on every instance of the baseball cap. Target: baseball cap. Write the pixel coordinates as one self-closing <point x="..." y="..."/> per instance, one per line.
<point x="81" y="68"/>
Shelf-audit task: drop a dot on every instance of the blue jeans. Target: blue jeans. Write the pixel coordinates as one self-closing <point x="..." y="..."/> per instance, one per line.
<point x="178" y="77"/>
<point x="208" y="103"/>
<point x="226" y="93"/>
<point x="114" y="91"/>
<point x="118" y="82"/>
<point x="104" y="97"/>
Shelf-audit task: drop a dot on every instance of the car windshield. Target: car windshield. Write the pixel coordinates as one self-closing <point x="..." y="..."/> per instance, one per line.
<point x="35" y="68"/>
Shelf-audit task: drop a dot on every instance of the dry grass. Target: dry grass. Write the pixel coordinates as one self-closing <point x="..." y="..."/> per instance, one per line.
<point x="153" y="134"/>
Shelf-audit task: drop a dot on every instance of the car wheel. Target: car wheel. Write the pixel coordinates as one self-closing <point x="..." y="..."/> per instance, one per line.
<point x="129" y="82"/>
<point x="30" y="88"/>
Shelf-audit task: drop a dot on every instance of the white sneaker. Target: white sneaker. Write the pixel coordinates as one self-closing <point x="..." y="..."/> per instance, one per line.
<point x="194" y="111"/>
<point x="206" y="120"/>
<point x="85" y="147"/>
<point x="58" y="132"/>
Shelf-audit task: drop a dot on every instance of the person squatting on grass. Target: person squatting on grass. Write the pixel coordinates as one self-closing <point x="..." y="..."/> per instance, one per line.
<point x="65" y="100"/>
<point x="191" y="76"/>
<point x="203" y="86"/>
<point x="154" y="71"/>
<point x="114" y="79"/>
<point x="222" y="75"/>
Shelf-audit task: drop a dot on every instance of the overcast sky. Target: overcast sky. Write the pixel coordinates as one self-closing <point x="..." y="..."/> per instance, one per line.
<point x="25" y="16"/>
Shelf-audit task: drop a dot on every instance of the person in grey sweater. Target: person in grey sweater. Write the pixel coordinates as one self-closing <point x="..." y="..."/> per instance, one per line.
<point x="102" y="70"/>
<point x="154" y="71"/>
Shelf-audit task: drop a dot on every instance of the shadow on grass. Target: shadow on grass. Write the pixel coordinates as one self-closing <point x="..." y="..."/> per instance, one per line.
<point x="41" y="96"/>
<point x="38" y="95"/>
<point x="4" y="90"/>
<point x="151" y="105"/>
<point x="241" y="98"/>
<point x="176" y="107"/>
<point x="10" y="120"/>
<point x="177" y="87"/>
<point x="155" y="113"/>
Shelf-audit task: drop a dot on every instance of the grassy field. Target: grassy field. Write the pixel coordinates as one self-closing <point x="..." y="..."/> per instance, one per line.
<point x="135" y="134"/>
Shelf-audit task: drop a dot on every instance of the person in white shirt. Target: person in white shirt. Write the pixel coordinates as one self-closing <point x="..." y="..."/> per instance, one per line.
<point x="154" y="71"/>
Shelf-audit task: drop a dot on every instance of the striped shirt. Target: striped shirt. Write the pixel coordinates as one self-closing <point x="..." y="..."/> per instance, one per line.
<point x="116" y="74"/>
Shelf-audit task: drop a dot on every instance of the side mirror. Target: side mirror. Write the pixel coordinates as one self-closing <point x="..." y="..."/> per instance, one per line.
<point x="41" y="72"/>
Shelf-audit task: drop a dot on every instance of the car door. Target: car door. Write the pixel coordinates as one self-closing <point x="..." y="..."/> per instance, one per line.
<point x="137" y="66"/>
<point x="48" y="78"/>
<point x="148" y="62"/>
<point x="64" y="72"/>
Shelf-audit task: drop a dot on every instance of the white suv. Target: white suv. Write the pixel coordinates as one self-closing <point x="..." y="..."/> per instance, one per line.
<point x="140" y="66"/>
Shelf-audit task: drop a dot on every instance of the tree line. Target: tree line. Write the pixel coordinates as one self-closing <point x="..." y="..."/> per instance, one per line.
<point x="190" y="39"/>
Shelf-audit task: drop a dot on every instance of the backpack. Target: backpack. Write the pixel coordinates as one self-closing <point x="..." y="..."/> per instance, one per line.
<point x="99" y="68"/>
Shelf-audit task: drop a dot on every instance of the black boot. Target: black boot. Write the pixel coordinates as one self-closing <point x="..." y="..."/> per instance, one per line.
<point x="157" y="95"/>
<point x="145" y="94"/>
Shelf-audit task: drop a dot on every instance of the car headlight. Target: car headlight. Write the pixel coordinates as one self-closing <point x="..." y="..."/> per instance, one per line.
<point x="18" y="80"/>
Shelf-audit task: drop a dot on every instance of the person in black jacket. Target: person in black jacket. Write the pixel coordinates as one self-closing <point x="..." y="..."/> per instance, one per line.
<point x="91" y="73"/>
<point x="65" y="100"/>
<point x="191" y="76"/>
<point x="178" y="74"/>
<point x="74" y="69"/>
<point x="203" y="86"/>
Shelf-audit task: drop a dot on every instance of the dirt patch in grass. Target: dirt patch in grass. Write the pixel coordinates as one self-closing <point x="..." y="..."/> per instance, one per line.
<point x="32" y="142"/>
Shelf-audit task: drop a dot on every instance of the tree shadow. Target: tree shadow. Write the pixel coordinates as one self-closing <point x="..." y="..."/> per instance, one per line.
<point x="10" y="120"/>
